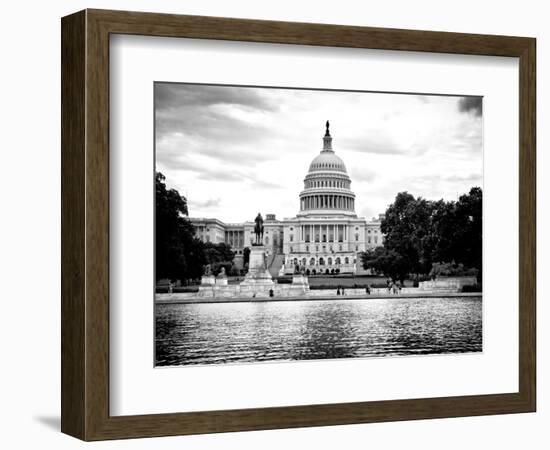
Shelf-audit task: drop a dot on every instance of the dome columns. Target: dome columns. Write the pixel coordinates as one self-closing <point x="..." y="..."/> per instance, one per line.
<point x="331" y="201"/>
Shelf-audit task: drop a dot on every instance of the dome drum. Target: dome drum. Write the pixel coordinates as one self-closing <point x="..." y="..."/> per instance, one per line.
<point x="325" y="203"/>
<point x="334" y="182"/>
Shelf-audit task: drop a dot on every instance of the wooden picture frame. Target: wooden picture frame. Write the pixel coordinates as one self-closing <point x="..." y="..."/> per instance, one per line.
<point x="85" y="224"/>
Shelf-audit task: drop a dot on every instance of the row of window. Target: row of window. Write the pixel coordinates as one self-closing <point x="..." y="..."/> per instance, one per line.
<point x="323" y="238"/>
<point x="324" y="248"/>
<point x="321" y="261"/>
<point x="327" y="183"/>
<point x="318" y="238"/>
<point x="326" y="166"/>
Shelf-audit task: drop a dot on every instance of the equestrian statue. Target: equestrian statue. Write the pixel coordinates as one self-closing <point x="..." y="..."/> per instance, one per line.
<point x="259" y="229"/>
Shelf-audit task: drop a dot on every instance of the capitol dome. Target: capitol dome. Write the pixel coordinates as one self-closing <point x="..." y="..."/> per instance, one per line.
<point x="327" y="160"/>
<point x="327" y="185"/>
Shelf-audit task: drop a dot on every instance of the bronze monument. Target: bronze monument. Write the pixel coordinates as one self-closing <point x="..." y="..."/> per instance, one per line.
<point x="259" y="229"/>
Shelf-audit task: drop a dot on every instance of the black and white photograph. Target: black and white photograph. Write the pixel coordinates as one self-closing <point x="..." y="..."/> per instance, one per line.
<point x="298" y="224"/>
<point x="262" y="226"/>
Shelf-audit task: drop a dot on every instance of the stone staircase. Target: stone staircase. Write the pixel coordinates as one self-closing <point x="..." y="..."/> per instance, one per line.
<point x="274" y="264"/>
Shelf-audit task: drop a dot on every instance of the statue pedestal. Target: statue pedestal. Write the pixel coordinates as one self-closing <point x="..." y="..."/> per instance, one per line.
<point x="221" y="280"/>
<point x="300" y="280"/>
<point x="208" y="280"/>
<point x="258" y="275"/>
<point x="206" y="289"/>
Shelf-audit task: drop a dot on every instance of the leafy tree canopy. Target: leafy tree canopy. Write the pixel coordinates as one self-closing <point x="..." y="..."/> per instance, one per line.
<point x="179" y="255"/>
<point x="419" y="232"/>
<point x="215" y="253"/>
<point x="388" y="262"/>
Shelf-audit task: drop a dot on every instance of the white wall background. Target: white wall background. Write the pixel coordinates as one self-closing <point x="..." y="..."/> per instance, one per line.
<point x="30" y="221"/>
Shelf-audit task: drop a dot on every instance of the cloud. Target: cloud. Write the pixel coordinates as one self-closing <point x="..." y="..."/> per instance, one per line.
<point x="224" y="143"/>
<point x="199" y="167"/>
<point x="372" y="141"/>
<point x="208" y="203"/>
<point x="263" y="184"/>
<point x="205" y="169"/>
<point x="226" y="123"/>
<point x="214" y="130"/>
<point x="437" y="178"/>
<point x="362" y="175"/>
<point x="471" y="104"/>
<point x="467" y="137"/>
<point x="366" y="212"/>
<point x="471" y="178"/>
<point x="174" y="95"/>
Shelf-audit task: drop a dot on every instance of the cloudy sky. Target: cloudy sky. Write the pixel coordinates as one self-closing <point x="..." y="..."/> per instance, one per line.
<point x="236" y="151"/>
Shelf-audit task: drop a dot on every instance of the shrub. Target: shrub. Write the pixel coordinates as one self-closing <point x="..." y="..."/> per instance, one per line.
<point x="217" y="267"/>
<point x="470" y="288"/>
<point x="284" y="280"/>
<point x="180" y="289"/>
<point x="446" y="269"/>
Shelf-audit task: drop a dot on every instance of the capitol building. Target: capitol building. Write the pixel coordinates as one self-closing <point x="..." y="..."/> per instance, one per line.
<point x="326" y="235"/>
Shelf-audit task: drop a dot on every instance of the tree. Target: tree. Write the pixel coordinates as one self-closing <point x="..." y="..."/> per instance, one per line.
<point x="218" y="252"/>
<point x="388" y="262"/>
<point x="218" y="256"/>
<point x="419" y="233"/>
<point x="469" y="210"/>
<point x="446" y="231"/>
<point x="178" y="253"/>
<point x="452" y="270"/>
<point x="407" y="226"/>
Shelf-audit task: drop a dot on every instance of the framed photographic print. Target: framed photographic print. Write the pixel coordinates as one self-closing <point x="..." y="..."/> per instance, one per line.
<point x="272" y="224"/>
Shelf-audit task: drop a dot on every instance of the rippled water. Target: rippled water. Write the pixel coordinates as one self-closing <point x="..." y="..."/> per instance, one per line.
<point x="298" y="330"/>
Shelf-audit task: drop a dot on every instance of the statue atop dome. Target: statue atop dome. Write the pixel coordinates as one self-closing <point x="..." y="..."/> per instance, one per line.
<point x="327" y="139"/>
